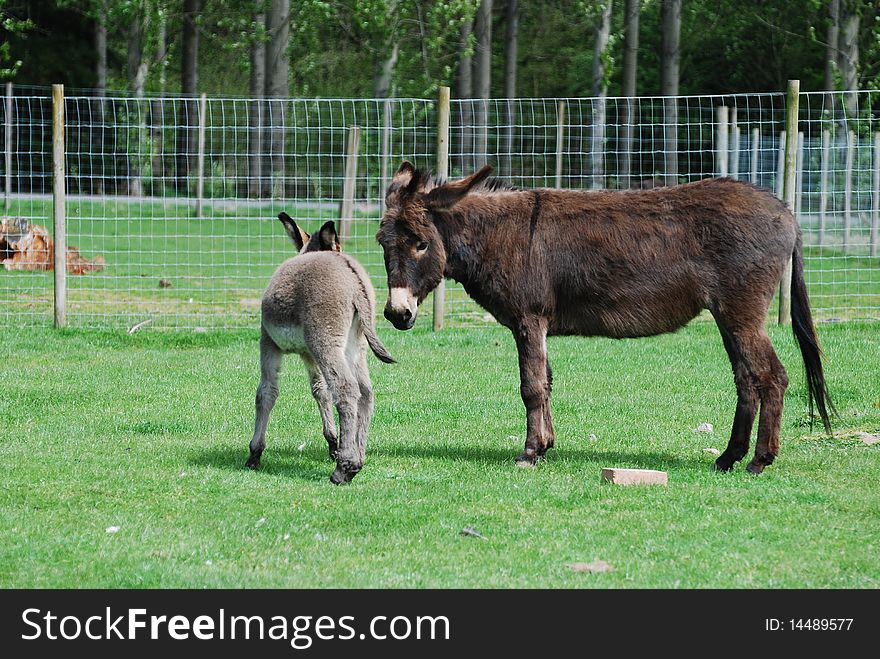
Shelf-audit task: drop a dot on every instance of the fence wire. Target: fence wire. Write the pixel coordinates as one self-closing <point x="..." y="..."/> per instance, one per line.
<point x="158" y="242"/>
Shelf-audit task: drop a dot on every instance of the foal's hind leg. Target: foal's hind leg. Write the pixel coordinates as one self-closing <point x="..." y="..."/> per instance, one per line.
<point x="325" y="405"/>
<point x="365" y="403"/>
<point x="343" y="385"/>
<point x="746" y="407"/>
<point x="267" y="394"/>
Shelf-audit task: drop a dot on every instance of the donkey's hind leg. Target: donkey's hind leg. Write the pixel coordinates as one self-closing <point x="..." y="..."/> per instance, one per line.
<point x="365" y="404"/>
<point x="343" y="386"/>
<point x="746" y="407"/>
<point x="762" y="377"/>
<point x="773" y="383"/>
<point x="267" y="394"/>
<point x="325" y="405"/>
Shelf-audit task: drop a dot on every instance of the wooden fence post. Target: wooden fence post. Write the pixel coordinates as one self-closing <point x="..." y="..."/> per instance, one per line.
<point x="58" y="218"/>
<point x="560" y="134"/>
<point x="200" y="161"/>
<point x="875" y="196"/>
<point x="847" y="190"/>
<point x="823" y="182"/>
<point x="721" y="156"/>
<point x="439" y="306"/>
<point x="7" y="204"/>
<point x="349" y="183"/>
<point x="788" y="190"/>
<point x="756" y="146"/>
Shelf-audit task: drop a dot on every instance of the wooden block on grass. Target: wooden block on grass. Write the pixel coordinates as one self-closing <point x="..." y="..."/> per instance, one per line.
<point x="634" y="476"/>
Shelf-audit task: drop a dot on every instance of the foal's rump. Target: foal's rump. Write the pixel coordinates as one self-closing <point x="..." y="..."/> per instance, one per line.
<point x="646" y="262"/>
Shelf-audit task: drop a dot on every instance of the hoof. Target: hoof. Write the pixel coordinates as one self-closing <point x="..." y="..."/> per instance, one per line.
<point x="754" y="468"/>
<point x="722" y="466"/>
<point x="526" y="459"/>
<point x="254" y="461"/>
<point x="339" y="477"/>
<point x="333" y="448"/>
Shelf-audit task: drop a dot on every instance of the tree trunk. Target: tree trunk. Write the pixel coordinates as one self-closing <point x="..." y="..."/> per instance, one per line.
<point x="258" y="105"/>
<point x="671" y="30"/>
<point x="382" y="76"/>
<point x="848" y="59"/>
<point x="388" y="58"/>
<point x="189" y="81"/>
<point x="100" y="93"/>
<point x="630" y="59"/>
<point x="483" y="79"/>
<point x="510" y="56"/>
<point x="831" y="55"/>
<point x="464" y="90"/>
<point x="157" y="118"/>
<point x="277" y="65"/>
<point x="600" y="92"/>
<point x="137" y="75"/>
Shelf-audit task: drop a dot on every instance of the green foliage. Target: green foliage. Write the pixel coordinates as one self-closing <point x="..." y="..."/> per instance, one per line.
<point x="10" y="25"/>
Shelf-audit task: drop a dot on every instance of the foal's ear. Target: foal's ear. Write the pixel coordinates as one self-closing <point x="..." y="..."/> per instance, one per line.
<point x="328" y="238"/>
<point x="446" y="196"/>
<point x="297" y="235"/>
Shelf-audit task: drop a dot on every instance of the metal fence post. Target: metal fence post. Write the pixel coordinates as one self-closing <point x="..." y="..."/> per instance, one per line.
<point x="788" y="190"/>
<point x="349" y="183"/>
<point x="560" y="134"/>
<point x="442" y="173"/>
<point x="200" y="162"/>
<point x="386" y="150"/>
<point x="7" y="204"/>
<point x="721" y="113"/>
<point x="875" y="196"/>
<point x="823" y="182"/>
<point x="58" y="217"/>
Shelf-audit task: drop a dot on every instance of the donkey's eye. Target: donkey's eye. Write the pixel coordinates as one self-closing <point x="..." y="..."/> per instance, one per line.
<point x="422" y="246"/>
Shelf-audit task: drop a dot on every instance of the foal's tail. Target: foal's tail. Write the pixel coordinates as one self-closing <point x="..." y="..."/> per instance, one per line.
<point x="365" y="313"/>
<point x="805" y="333"/>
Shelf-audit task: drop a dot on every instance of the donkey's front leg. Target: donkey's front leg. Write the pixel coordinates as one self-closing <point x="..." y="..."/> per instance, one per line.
<point x="531" y="344"/>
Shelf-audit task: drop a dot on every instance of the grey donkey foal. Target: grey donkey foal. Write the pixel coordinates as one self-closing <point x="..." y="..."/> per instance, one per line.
<point x="319" y="305"/>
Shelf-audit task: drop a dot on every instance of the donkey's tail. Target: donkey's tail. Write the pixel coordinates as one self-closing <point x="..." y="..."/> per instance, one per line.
<point x="805" y="333"/>
<point x="365" y="313"/>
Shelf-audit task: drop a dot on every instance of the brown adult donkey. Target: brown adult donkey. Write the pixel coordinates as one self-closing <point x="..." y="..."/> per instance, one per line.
<point x="620" y="264"/>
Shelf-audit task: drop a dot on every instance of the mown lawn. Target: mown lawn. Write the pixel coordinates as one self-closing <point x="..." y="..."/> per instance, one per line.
<point x="149" y="433"/>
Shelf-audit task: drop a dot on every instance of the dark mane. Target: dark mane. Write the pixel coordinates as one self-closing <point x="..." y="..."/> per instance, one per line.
<point x="491" y="184"/>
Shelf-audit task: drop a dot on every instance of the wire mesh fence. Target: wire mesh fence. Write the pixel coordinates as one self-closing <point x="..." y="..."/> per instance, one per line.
<point x="172" y="201"/>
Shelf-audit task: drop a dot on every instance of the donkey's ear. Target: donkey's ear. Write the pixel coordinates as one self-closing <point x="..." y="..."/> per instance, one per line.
<point x="404" y="174"/>
<point x="297" y="235"/>
<point x="446" y="196"/>
<point x="329" y="239"/>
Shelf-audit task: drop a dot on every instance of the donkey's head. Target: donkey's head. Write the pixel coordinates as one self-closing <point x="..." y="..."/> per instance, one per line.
<point x="323" y="240"/>
<point x="415" y="257"/>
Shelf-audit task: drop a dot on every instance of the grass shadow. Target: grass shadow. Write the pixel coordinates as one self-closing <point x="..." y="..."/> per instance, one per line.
<point x="307" y="465"/>
<point x="498" y="455"/>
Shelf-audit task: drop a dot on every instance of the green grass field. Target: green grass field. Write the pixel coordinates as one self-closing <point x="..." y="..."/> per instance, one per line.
<point x="218" y="266"/>
<point x="149" y="433"/>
